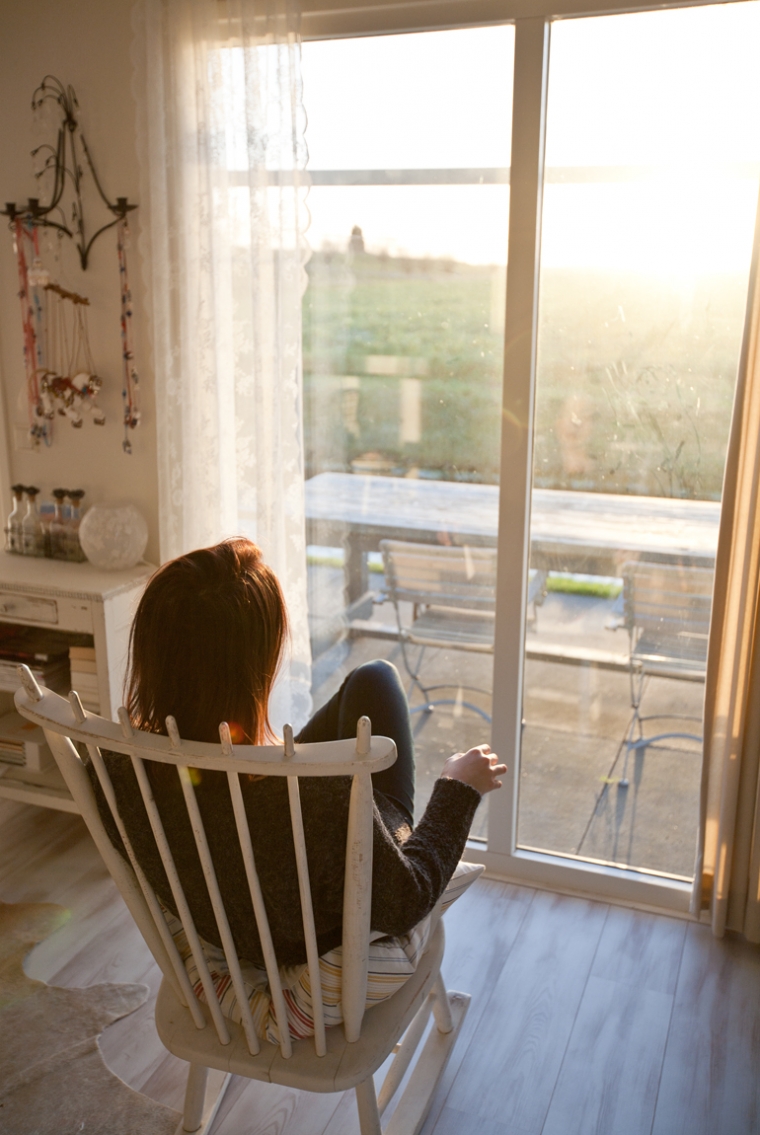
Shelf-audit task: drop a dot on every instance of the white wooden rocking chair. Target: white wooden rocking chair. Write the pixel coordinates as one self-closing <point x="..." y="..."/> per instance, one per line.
<point x="334" y="1059"/>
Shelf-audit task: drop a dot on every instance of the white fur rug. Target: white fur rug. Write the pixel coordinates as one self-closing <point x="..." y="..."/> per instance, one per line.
<point x="52" y="1077"/>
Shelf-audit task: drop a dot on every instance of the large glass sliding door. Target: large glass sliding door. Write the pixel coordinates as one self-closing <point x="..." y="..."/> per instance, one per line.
<point x="623" y="176"/>
<point x="409" y="141"/>
<point x="650" y="190"/>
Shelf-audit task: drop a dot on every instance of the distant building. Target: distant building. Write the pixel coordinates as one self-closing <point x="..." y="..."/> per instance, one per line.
<point x="356" y="243"/>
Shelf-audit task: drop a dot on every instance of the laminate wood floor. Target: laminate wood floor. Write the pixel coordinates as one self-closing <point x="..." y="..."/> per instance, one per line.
<point x="585" y="1018"/>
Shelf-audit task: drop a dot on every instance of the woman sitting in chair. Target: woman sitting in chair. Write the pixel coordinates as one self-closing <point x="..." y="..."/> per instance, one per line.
<point x="205" y="647"/>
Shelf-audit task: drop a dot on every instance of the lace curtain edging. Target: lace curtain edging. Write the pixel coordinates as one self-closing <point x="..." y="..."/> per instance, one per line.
<point x="222" y="237"/>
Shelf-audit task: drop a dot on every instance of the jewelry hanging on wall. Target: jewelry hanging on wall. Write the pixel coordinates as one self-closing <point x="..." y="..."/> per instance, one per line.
<point x="131" y="389"/>
<point x="31" y="282"/>
<point x="68" y="385"/>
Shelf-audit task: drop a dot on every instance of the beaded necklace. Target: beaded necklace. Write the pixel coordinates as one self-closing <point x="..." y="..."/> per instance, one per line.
<point x="131" y="389"/>
<point x="31" y="321"/>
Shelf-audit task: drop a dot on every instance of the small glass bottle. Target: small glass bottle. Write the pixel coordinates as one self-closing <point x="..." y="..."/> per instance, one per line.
<point x="32" y="530"/>
<point x="74" y="548"/>
<point x="59" y="527"/>
<point x="13" y="536"/>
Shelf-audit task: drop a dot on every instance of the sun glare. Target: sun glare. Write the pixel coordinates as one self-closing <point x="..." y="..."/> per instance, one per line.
<point x="653" y="140"/>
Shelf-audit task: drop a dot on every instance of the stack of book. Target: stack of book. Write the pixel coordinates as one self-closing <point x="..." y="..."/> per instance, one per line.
<point x="84" y="676"/>
<point x="23" y="743"/>
<point x="46" y="653"/>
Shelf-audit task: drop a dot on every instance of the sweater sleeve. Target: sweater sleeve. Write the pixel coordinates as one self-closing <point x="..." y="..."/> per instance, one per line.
<point x="409" y="878"/>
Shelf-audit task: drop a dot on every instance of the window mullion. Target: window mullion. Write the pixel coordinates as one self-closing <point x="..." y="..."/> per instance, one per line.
<point x="531" y="69"/>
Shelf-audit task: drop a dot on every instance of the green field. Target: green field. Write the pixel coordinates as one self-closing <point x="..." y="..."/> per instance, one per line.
<point x="635" y="376"/>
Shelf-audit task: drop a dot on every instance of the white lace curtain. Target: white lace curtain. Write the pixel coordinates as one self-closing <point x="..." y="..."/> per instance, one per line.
<point x="220" y="128"/>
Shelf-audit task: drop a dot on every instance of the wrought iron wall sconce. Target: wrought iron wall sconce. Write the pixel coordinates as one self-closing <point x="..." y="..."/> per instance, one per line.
<point x="65" y="161"/>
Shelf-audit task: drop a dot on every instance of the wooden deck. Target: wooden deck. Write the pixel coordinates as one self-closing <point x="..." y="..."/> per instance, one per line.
<point x="585" y="1017"/>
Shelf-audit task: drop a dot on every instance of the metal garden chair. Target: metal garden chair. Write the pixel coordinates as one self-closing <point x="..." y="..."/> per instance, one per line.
<point x="453" y="595"/>
<point x="334" y="1059"/>
<point x="666" y="610"/>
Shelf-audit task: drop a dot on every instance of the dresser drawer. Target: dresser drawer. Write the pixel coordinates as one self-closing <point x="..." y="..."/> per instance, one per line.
<point x="28" y="609"/>
<point x="33" y="610"/>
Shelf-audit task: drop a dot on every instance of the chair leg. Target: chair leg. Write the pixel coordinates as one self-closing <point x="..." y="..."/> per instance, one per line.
<point x="366" y="1102"/>
<point x="441" y="1006"/>
<point x="413" y="672"/>
<point x="405" y="1054"/>
<point x="201" y="1105"/>
<point x="411" y="1110"/>
<point x="430" y="702"/>
<point x="195" y="1097"/>
<point x="636" y="679"/>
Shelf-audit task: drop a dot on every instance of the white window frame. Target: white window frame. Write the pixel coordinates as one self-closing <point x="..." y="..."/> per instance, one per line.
<point x="532" y="20"/>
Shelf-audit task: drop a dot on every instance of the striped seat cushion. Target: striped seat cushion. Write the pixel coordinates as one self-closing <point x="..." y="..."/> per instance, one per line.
<point x="392" y="961"/>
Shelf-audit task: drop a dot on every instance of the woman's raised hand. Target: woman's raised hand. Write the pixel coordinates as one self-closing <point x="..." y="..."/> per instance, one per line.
<point x="478" y="767"/>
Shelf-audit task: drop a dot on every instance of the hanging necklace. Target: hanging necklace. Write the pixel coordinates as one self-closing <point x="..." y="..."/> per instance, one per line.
<point x="31" y="314"/>
<point x="69" y="386"/>
<point x="131" y="389"/>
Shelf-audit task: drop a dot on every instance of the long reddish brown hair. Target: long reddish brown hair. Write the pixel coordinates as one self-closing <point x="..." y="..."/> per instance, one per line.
<point x="206" y="644"/>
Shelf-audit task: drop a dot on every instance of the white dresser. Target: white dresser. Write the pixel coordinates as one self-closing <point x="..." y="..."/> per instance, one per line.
<point x="81" y="599"/>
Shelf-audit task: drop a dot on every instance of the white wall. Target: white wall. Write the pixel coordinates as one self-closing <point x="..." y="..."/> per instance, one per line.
<point x="85" y="43"/>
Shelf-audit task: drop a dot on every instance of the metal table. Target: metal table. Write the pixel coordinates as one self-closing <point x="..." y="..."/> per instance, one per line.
<point x="580" y="532"/>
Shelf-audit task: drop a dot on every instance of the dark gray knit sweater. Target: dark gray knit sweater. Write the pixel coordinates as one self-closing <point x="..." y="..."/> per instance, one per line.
<point x="410" y="867"/>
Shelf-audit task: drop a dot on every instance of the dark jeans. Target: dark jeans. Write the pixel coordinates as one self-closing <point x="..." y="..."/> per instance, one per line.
<point x="373" y="689"/>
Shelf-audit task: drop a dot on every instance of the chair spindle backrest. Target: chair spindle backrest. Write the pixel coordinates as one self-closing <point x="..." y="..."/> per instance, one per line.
<point x="64" y="722"/>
